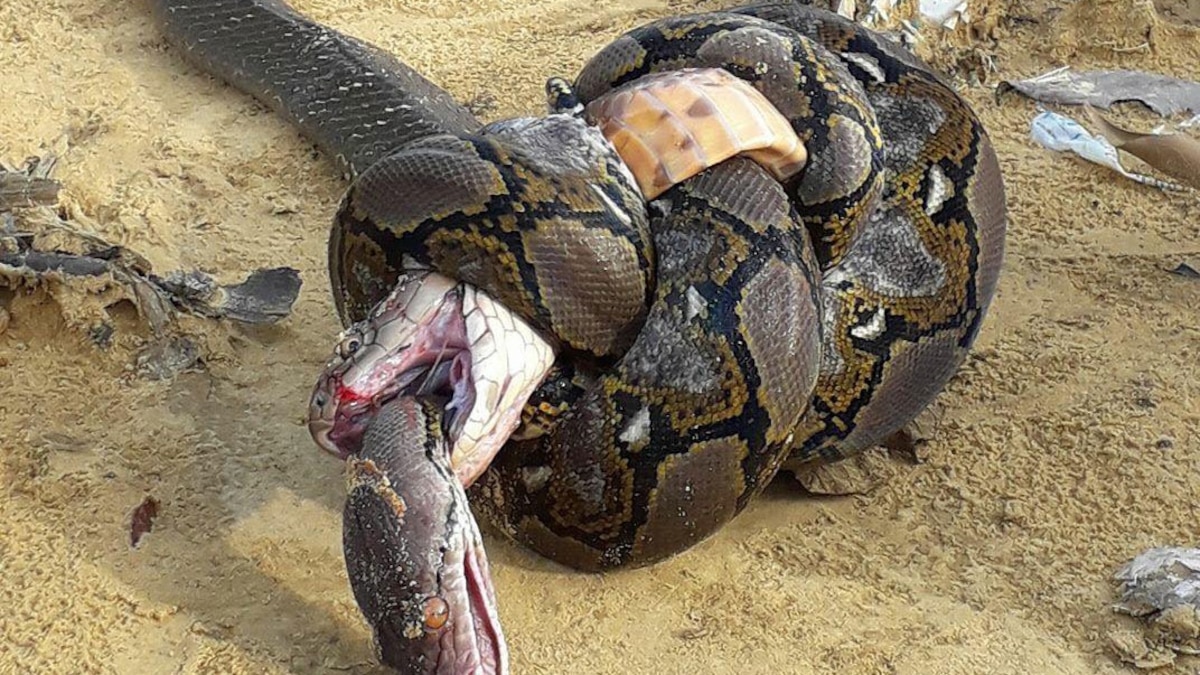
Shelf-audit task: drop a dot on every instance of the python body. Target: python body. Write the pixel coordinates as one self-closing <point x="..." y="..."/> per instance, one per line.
<point x="689" y="347"/>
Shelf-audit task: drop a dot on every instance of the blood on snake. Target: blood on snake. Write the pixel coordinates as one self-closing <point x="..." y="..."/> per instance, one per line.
<point x="619" y="376"/>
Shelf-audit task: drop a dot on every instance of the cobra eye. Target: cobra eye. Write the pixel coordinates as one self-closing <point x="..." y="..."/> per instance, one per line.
<point x="347" y="347"/>
<point x="437" y="612"/>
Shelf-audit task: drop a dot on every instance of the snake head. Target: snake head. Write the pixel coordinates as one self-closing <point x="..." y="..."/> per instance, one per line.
<point x="413" y="551"/>
<point x="432" y="336"/>
<point x="384" y="356"/>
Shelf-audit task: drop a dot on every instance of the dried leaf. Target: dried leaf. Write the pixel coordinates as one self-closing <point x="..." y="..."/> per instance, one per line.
<point x="1177" y="155"/>
<point x="142" y="520"/>
<point x="266" y="296"/>
<point x="166" y="358"/>
<point x="1104" y="88"/>
<point x="30" y="185"/>
<point x="38" y="264"/>
<point x="18" y="190"/>
<point x="1186" y="270"/>
<point x="55" y="251"/>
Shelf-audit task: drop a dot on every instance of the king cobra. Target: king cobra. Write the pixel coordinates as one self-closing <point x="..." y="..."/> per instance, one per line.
<point x="613" y="356"/>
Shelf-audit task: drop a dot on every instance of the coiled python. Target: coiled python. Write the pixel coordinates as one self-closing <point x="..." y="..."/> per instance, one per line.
<point x="677" y="353"/>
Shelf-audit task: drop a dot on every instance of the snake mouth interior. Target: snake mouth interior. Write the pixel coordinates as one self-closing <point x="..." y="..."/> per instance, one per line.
<point x="453" y="342"/>
<point x="437" y="361"/>
<point x="491" y="650"/>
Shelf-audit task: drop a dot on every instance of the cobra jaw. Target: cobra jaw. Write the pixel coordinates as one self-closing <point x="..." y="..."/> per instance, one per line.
<point x="433" y="334"/>
<point x="375" y="360"/>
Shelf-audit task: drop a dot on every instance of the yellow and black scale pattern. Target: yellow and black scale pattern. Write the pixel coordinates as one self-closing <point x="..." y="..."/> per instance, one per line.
<point x="660" y="450"/>
<point x="907" y="303"/>
<point x="904" y="205"/>
<point x="531" y="225"/>
<point x="809" y="85"/>
<point x="703" y="342"/>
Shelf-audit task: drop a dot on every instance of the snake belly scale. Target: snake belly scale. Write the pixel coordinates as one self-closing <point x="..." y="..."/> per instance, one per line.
<point x="733" y="324"/>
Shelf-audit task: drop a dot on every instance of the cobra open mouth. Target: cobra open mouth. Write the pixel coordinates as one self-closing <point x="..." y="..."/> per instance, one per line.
<point x="433" y="336"/>
<point x="436" y="359"/>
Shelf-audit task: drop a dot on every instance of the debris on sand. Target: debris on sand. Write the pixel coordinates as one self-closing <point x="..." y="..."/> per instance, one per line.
<point x="1161" y="586"/>
<point x="1187" y="270"/>
<point x="1159" y="579"/>
<point x="1104" y="88"/>
<point x="1062" y="134"/>
<point x="86" y="275"/>
<point x="141" y="521"/>
<point x="945" y="13"/>
<point x="1176" y="155"/>
<point x="28" y="187"/>
<point x="878" y="14"/>
<point x="167" y="357"/>
<point x="266" y="296"/>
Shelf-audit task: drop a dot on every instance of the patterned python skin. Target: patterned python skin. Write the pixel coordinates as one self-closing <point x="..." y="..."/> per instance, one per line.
<point x="904" y="205"/>
<point x="731" y="325"/>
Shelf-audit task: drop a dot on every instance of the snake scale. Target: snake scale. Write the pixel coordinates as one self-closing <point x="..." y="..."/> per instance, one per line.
<point x="903" y="205"/>
<point x="702" y="339"/>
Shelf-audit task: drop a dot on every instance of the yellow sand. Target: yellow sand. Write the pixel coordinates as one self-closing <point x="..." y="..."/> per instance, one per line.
<point x="1069" y="444"/>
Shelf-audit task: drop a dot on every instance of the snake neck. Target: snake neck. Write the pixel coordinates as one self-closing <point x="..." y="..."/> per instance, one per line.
<point x="365" y="103"/>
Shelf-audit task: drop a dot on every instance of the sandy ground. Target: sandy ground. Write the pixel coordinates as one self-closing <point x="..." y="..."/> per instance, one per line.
<point x="1070" y="442"/>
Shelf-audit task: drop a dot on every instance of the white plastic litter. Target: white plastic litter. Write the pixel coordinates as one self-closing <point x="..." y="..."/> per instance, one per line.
<point x="878" y="13"/>
<point x="947" y="13"/>
<point x="1063" y="134"/>
<point x="1159" y="579"/>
